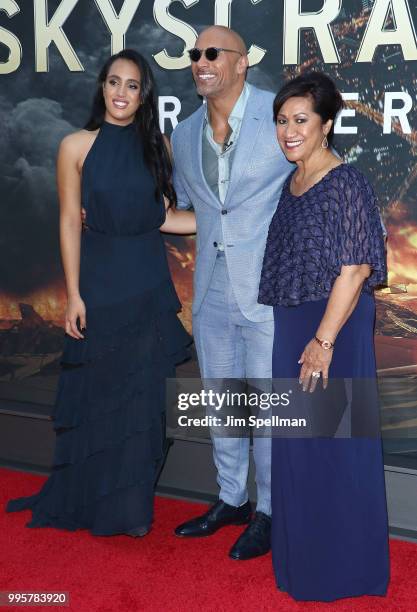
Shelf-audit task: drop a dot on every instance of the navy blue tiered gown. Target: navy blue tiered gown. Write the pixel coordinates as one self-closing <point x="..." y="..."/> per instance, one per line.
<point x="109" y="414"/>
<point x="329" y="517"/>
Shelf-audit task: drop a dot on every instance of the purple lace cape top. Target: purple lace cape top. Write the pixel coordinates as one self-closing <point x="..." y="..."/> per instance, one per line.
<point x="311" y="236"/>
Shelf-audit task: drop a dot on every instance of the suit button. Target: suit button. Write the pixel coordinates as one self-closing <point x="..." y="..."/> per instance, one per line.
<point x="215" y="244"/>
<point x="224" y="212"/>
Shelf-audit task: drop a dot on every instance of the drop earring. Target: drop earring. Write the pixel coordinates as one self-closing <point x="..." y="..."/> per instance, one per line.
<point x="325" y="143"/>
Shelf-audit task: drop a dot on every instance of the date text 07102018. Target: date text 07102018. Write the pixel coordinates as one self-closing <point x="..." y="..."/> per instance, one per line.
<point x="39" y="598"/>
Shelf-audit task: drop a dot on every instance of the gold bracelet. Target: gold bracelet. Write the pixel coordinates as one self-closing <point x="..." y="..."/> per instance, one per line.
<point x="325" y="344"/>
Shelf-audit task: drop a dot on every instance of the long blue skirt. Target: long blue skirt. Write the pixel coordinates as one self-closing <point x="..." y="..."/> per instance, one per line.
<point x="329" y="517"/>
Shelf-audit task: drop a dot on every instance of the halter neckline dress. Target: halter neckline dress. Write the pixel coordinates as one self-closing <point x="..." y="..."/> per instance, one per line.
<point x="109" y="413"/>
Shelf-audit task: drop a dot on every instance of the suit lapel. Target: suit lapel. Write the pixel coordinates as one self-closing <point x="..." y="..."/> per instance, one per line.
<point x="251" y="124"/>
<point x="197" y="155"/>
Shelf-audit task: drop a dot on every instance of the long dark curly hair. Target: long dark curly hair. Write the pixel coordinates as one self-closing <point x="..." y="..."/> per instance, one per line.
<point x="146" y="119"/>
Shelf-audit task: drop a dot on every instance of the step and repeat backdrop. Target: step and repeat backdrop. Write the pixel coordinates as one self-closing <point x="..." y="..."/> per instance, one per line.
<point x="50" y="54"/>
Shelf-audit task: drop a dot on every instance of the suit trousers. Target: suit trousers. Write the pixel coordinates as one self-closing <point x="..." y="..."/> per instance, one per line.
<point x="231" y="346"/>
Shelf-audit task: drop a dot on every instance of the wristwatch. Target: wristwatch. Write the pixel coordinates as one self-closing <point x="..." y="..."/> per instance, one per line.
<point x="326" y="344"/>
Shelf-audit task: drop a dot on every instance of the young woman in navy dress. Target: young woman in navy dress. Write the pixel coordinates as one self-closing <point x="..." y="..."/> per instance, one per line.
<point x="324" y="256"/>
<point x="123" y="335"/>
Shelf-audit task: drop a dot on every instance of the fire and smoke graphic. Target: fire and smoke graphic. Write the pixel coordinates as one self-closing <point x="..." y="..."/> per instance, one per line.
<point x="50" y="302"/>
<point x="402" y="252"/>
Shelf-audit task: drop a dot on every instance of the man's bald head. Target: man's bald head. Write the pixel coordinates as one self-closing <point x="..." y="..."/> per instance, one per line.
<point x="225" y="36"/>
<point x="224" y="76"/>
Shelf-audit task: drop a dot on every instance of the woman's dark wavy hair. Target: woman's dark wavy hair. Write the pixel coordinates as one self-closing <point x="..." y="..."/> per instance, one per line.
<point x="146" y="119"/>
<point x="327" y="100"/>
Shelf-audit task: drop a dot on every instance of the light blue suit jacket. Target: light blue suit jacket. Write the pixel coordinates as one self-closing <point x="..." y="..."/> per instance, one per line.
<point x="258" y="173"/>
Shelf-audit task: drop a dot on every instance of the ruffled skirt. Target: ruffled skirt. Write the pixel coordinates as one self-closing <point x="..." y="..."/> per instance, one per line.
<point x="110" y="417"/>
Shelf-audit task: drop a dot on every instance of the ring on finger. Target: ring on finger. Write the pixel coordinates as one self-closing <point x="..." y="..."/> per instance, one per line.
<point x="315" y="374"/>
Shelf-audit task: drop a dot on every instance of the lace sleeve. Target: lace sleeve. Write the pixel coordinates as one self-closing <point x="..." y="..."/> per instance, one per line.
<point x="359" y="237"/>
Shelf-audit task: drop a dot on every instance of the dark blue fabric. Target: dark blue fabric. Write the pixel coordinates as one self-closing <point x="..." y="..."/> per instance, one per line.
<point x="109" y="413"/>
<point x="329" y="517"/>
<point x="310" y="237"/>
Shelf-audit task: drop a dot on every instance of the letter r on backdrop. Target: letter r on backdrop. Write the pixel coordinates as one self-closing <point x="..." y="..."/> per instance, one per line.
<point x="295" y="21"/>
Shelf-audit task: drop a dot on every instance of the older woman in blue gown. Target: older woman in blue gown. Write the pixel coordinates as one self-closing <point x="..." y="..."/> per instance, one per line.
<point x="324" y="256"/>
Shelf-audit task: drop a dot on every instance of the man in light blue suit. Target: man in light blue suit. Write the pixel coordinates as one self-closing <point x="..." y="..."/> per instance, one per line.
<point x="229" y="167"/>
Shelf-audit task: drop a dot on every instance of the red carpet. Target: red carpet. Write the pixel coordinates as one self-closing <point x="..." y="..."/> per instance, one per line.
<point x="160" y="572"/>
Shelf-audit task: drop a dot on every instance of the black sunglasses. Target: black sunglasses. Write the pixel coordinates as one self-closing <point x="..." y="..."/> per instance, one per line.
<point x="211" y="53"/>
